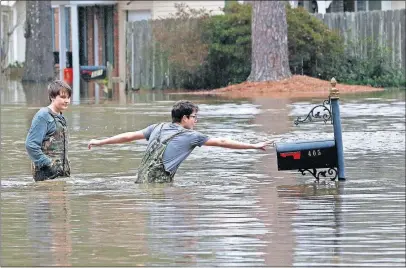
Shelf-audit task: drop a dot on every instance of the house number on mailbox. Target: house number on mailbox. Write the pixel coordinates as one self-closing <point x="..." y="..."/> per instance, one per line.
<point x="314" y="153"/>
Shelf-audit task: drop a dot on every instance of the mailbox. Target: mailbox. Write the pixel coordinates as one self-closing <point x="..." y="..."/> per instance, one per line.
<point x="307" y="155"/>
<point x="87" y="72"/>
<point x="93" y="72"/>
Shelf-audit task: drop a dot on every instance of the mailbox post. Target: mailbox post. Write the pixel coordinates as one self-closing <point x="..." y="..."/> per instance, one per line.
<point x="308" y="156"/>
<point x="335" y="106"/>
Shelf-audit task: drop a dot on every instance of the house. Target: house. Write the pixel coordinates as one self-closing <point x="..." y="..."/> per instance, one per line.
<point x="139" y="10"/>
<point x="88" y="30"/>
<point x="323" y="7"/>
<point x="97" y="28"/>
<point x="12" y="47"/>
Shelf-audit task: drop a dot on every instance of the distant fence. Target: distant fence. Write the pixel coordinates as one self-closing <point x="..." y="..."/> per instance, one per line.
<point x="140" y="55"/>
<point x="384" y="27"/>
<point x="148" y="69"/>
<point x="147" y="64"/>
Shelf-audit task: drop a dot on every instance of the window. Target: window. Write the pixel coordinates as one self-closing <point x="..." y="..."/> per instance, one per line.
<point x="349" y="6"/>
<point x="362" y="5"/>
<point x="375" y="5"/>
<point x="139" y="15"/>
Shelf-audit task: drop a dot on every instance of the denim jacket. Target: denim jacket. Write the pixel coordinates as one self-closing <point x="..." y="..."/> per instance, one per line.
<point x="42" y="127"/>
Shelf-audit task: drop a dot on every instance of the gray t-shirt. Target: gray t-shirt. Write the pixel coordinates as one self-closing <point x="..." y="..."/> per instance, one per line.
<point x="179" y="147"/>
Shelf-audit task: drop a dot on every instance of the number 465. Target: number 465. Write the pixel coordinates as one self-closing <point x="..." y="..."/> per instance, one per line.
<point x="314" y="153"/>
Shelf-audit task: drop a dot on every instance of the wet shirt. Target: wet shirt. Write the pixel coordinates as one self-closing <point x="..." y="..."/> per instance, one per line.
<point x="180" y="147"/>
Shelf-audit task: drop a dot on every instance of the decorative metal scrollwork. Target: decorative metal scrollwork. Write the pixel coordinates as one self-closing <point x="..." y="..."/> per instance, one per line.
<point x="324" y="113"/>
<point x="316" y="174"/>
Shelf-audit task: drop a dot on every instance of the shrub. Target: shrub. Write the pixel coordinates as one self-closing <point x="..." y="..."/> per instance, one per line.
<point x="215" y="51"/>
<point x="313" y="47"/>
<point x="229" y="49"/>
<point x="375" y="68"/>
<point x="179" y="37"/>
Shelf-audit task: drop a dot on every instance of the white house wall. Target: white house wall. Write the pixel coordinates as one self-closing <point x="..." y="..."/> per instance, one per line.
<point x="82" y="3"/>
<point x="18" y="34"/>
<point x="135" y="5"/>
<point x="15" y="17"/>
<point x="398" y="4"/>
<point x="6" y="20"/>
<point x="163" y="9"/>
<point x="386" y="5"/>
<point x="322" y="6"/>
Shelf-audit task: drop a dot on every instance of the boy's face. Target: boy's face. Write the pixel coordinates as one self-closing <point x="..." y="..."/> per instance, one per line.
<point x="61" y="101"/>
<point x="190" y="121"/>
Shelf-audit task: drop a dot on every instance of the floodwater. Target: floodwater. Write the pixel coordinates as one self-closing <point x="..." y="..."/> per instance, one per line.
<point x="225" y="207"/>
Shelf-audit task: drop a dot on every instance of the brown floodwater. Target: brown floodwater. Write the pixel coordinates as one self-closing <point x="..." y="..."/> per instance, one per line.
<point x="225" y="207"/>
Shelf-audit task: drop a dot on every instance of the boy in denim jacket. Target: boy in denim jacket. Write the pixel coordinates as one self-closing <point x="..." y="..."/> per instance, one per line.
<point x="47" y="140"/>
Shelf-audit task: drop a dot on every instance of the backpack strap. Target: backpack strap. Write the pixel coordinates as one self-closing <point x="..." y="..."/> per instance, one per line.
<point x="55" y="117"/>
<point x="159" y="134"/>
<point x="170" y="137"/>
<point x="173" y="136"/>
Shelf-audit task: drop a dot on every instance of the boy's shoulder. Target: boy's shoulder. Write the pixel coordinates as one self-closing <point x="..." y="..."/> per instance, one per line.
<point x="43" y="112"/>
<point x="172" y="127"/>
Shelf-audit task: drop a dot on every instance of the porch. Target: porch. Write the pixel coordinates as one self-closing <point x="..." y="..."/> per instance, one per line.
<point x="88" y="31"/>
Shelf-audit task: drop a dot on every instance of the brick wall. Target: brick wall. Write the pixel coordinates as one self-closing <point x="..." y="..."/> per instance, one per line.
<point x="56" y="32"/>
<point x="100" y="27"/>
<point x="90" y="46"/>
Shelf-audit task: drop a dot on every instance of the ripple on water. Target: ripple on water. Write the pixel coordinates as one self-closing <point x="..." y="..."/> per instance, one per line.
<point x="223" y="209"/>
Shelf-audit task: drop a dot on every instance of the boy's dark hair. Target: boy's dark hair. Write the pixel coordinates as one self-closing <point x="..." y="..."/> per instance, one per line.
<point x="55" y="88"/>
<point x="181" y="108"/>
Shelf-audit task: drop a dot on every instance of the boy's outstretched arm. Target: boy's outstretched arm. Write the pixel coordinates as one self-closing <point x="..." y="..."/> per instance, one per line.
<point x="227" y="143"/>
<point x="120" y="138"/>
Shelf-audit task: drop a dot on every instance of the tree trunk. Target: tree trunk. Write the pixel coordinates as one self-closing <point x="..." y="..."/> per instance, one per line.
<point x="1" y="44"/>
<point x="39" y="60"/>
<point x="270" y="59"/>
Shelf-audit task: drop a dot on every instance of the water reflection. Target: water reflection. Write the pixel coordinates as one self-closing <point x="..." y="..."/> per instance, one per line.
<point x="47" y="221"/>
<point x="11" y="92"/>
<point x="310" y="225"/>
<point x="225" y="207"/>
<point x="36" y="94"/>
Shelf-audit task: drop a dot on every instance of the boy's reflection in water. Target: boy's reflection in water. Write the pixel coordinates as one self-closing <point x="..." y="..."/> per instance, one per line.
<point x="49" y="217"/>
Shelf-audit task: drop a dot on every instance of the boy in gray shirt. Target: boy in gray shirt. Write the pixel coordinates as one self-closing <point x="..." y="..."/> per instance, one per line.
<point x="169" y="144"/>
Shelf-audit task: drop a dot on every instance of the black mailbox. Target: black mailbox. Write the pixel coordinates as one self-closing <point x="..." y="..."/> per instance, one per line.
<point x="93" y="72"/>
<point x="306" y="155"/>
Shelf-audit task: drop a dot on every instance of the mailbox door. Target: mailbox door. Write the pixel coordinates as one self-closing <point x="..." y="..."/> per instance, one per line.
<point x="93" y="72"/>
<point x="318" y="155"/>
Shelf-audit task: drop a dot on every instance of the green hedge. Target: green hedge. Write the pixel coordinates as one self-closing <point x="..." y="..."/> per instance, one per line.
<point x="229" y="49"/>
<point x="313" y="47"/>
<point x="375" y="69"/>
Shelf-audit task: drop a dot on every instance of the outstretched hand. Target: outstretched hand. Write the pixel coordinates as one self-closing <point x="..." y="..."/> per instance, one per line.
<point x="93" y="142"/>
<point x="262" y="145"/>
